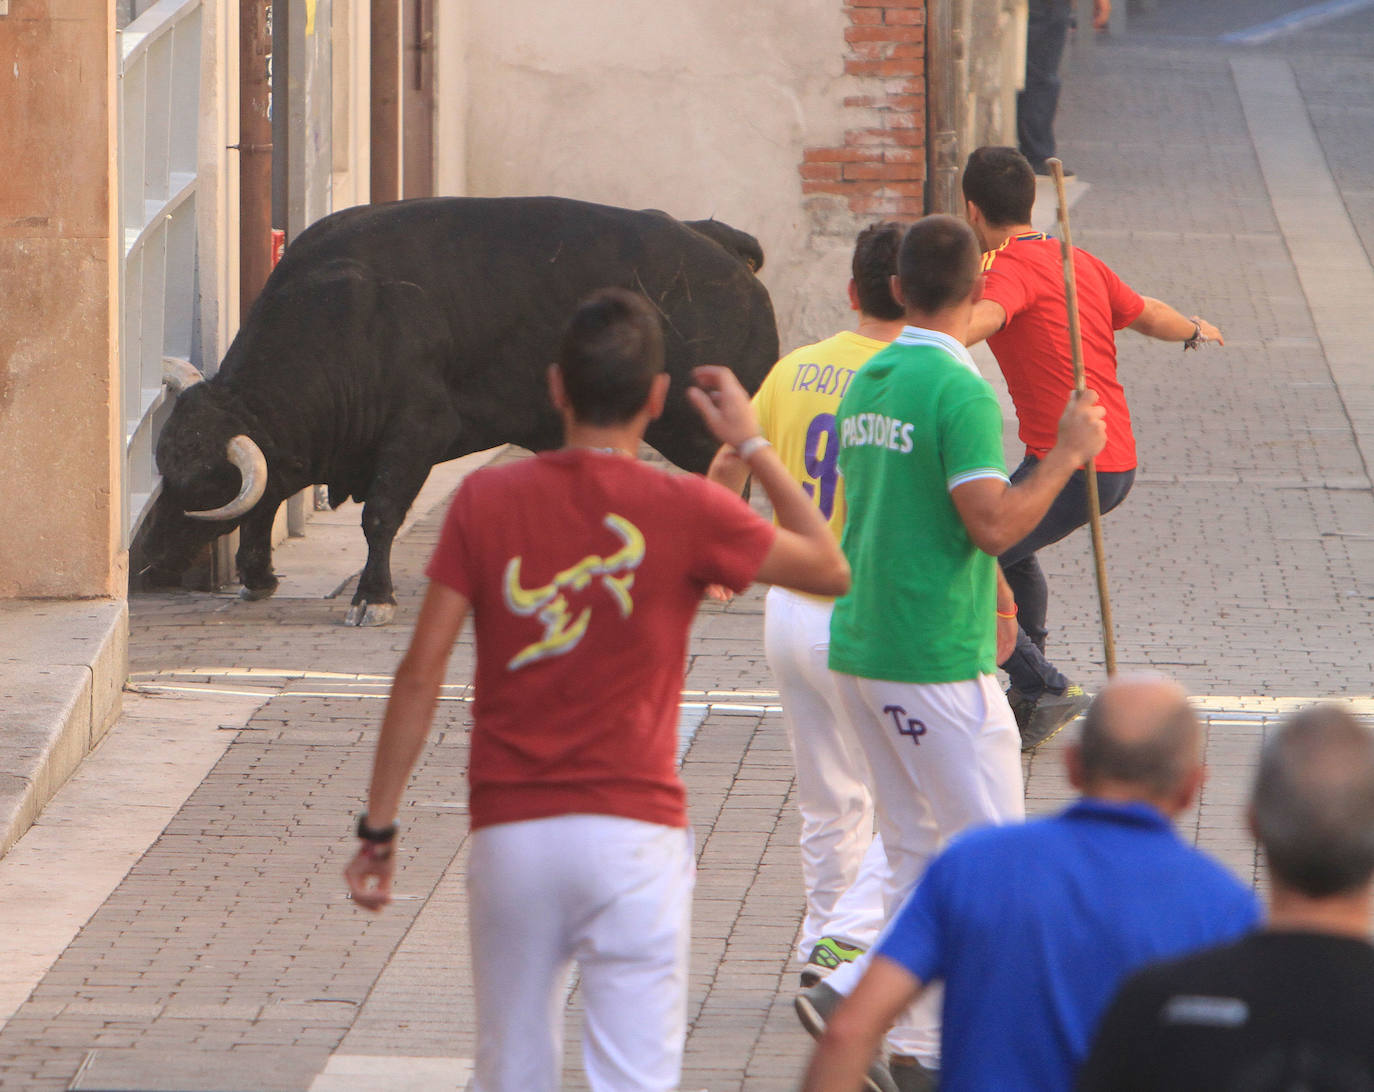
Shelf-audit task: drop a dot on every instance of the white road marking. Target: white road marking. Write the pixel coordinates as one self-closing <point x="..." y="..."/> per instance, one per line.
<point x="1302" y="19"/>
<point x="750" y="701"/>
<point x="395" y="1073"/>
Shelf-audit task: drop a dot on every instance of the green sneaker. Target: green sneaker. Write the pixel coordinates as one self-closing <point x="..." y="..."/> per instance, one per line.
<point x="828" y="954"/>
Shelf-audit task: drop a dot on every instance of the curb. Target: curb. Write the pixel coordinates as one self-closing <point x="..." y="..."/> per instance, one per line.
<point x="61" y="682"/>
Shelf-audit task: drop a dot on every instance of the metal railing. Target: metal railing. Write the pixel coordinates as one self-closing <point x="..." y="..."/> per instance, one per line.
<point x="159" y="112"/>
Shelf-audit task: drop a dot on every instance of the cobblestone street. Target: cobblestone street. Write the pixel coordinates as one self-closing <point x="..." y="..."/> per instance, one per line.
<point x="221" y="952"/>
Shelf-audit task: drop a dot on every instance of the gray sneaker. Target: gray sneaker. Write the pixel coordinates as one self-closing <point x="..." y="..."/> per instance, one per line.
<point x="909" y="1075"/>
<point x="815" y="1007"/>
<point x="1040" y="718"/>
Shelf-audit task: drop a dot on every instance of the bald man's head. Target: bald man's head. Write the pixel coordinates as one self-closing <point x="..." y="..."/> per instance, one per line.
<point x="1313" y="804"/>
<point x="1140" y="737"/>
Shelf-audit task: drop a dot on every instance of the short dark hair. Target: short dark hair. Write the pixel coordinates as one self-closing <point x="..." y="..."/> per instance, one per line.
<point x="610" y="354"/>
<point x="1313" y="802"/>
<point x="937" y="264"/>
<point x="1154" y="748"/>
<point x="875" y="262"/>
<point x="1001" y="182"/>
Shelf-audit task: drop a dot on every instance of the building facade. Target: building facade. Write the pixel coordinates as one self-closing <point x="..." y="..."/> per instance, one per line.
<point x="136" y="221"/>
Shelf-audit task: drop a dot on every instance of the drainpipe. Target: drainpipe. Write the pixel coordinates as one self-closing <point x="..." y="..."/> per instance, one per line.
<point x="255" y="197"/>
<point x="281" y="116"/>
<point x="255" y="150"/>
<point x="944" y="55"/>
<point x="386" y="181"/>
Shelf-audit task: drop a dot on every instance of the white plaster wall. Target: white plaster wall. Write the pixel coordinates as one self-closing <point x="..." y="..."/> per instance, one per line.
<point x="350" y="139"/>
<point x="699" y="109"/>
<point x="451" y="99"/>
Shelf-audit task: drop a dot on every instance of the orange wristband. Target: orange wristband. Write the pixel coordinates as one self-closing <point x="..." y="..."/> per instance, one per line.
<point x="1004" y="614"/>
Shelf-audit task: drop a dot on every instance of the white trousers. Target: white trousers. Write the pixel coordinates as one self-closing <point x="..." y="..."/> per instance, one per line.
<point x="944" y="756"/>
<point x="614" y="897"/>
<point x="843" y="864"/>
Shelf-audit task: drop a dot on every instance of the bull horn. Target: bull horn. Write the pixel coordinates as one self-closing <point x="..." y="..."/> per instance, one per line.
<point x="252" y="466"/>
<point x="178" y="374"/>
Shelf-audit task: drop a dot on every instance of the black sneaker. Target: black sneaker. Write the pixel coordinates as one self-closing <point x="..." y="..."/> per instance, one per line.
<point x="1021" y="708"/>
<point x="1045" y="715"/>
<point x="909" y="1075"/>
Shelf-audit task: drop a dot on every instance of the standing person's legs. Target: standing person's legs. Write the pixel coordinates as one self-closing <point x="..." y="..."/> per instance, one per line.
<point x="632" y="947"/>
<point x="1030" y="672"/>
<point x="843" y="900"/>
<point x="1047" y="29"/>
<point x="944" y="757"/>
<point x="520" y="957"/>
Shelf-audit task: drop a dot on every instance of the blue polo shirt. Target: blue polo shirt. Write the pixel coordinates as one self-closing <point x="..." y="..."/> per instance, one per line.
<point x="1032" y="928"/>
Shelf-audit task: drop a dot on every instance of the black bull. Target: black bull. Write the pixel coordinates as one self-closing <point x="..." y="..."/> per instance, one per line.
<point x="393" y="337"/>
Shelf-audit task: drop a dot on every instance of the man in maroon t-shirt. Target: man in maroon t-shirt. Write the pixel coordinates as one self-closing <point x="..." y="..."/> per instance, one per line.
<point x="1023" y="316"/>
<point x="583" y="569"/>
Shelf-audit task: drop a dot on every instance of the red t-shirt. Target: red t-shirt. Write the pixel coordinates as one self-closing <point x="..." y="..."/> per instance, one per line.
<point x="1027" y="278"/>
<point x="584" y="571"/>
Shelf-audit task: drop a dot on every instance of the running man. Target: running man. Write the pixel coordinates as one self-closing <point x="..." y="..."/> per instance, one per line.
<point x="916" y="641"/>
<point x="1031" y="927"/>
<point x="843" y="865"/>
<point x="582" y="569"/>
<point x="1023" y="316"/>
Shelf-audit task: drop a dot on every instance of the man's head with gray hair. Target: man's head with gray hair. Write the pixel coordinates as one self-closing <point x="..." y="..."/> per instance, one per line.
<point x="1140" y="740"/>
<point x="1312" y="809"/>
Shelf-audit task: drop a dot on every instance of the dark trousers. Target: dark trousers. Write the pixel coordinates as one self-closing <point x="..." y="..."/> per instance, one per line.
<point x="1047" y="29"/>
<point x="1030" y="672"/>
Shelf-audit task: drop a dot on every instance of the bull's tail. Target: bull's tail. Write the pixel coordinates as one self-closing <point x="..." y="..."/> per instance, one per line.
<point x="739" y="243"/>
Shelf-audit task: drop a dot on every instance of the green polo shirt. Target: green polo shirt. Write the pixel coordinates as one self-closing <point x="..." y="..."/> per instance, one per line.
<point x="917" y="421"/>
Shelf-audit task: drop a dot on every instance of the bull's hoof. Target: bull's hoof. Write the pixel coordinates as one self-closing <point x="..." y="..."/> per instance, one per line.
<point x="252" y="595"/>
<point x="370" y="614"/>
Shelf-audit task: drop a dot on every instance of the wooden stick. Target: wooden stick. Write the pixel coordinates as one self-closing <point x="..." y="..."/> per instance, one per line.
<point x="1079" y="382"/>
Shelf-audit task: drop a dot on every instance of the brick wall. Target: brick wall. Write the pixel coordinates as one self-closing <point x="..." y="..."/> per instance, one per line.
<point x="880" y="168"/>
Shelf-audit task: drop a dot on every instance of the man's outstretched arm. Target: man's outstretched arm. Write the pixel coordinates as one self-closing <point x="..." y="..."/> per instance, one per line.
<point x="1161" y="321"/>
<point x="853" y="1033"/>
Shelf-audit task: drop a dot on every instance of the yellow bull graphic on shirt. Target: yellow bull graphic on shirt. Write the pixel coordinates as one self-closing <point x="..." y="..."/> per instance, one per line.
<point x="617" y="573"/>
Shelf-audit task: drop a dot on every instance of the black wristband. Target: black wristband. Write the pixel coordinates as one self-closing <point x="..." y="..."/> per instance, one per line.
<point x="1197" y="338"/>
<point x="380" y="837"/>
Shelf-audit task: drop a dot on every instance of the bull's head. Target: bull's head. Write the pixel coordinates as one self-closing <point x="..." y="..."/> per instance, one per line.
<point x="210" y="466"/>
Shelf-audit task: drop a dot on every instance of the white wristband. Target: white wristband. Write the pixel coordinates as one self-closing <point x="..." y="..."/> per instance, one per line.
<point x="751" y="446"/>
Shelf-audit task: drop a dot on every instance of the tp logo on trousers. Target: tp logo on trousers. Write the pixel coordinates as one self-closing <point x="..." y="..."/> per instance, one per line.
<point x="905" y="725"/>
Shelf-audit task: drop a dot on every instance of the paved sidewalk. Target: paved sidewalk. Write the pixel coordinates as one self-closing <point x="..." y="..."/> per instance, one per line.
<point x="226" y="956"/>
